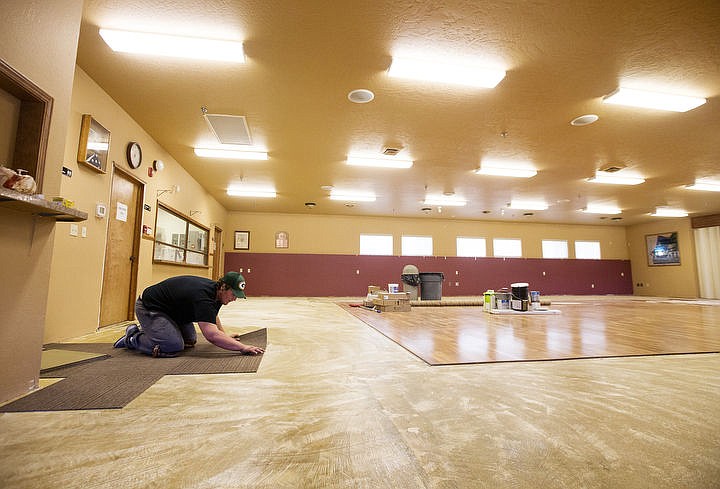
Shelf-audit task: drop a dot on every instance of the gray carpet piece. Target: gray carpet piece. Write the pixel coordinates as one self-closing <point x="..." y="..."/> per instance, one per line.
<point x="112" y="381"/>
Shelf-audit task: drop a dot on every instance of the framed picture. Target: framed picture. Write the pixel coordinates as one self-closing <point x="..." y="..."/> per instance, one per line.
<point x="242" y="240"/>
<point x="282" y="239"/>
<point x="663" y="249"/>
<point x="94" y="144"/>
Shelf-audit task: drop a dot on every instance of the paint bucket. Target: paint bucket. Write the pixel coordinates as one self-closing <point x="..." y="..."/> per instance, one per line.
<point x="520" y="296"/>
<point x="534" y="300"/>
<point x="502" y="299"/>
<point x="393" y="288"/>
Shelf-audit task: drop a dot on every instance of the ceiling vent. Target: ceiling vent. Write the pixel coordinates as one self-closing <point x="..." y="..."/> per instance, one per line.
<point x="391" y="151"/>
<point x="229" y="129"/>
<point x="612" y="167"/>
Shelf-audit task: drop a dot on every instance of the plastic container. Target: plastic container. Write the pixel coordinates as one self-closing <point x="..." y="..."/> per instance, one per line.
<point x="431" y="286"/>
<point x="393" y="288"/>
<point x="489" y="300"/>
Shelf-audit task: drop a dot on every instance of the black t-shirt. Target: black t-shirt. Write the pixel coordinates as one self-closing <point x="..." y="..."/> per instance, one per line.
<point x="186" y="299"/>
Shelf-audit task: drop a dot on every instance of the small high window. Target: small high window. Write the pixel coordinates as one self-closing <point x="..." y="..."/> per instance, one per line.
<point x="376" y="244"/>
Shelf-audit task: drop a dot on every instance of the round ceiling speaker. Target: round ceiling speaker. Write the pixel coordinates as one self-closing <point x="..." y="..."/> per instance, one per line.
<point x="361" y="96"/>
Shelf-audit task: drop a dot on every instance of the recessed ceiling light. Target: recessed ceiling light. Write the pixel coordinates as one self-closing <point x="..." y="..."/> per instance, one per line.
<point x="653" y="100"/>
<point x="378" y="161"/>
<point x="361" y="96"/>
<point x="444" y="200"/>
<point x="615" y="179"/>
<point x="506" y="169"/>
<point x="233" y="154"/>
<point x="251" y="192"/>
<point x="584" y="120"/>
<point x="173" y="46"/>
<point x="601" y="209"/>
<point x="530" y="205"/>
<point x="705" y="184"/>
<point x="352" y="196"/>
<point x="445" y="72"/>
<point x="669" y="212"/>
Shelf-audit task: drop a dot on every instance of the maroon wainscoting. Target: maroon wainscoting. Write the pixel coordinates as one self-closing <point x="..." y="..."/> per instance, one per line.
<point x="292" y="275"/>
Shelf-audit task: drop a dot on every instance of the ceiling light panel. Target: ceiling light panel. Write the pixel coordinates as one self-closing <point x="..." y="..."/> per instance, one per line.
<point x="173" y="46"/>
<point x="352" y="196"/>
<point x="653" y="100"/>
<point x="705" y="184"/>
<point x="251" y="192"/>
<point x="378" y="162"/>
<point x="615" y="179"/>
<point x="669" y="212"/>
<point x="444" y="72"/>
<point x="444" y="200"/>
<point x="232" y="153"/>
<point x="601" y="209"/>
<point x="529" y="205"/>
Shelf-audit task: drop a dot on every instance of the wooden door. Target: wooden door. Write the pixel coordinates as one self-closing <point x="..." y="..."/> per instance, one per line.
<point x="121" y="250"/>
<point x="218" y="254"/>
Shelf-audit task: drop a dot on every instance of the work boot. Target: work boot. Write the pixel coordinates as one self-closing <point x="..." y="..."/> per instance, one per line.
<point x="128" y="339"/>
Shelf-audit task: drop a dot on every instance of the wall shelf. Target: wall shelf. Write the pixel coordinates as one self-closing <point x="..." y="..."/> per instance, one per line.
<point x="32" y="204"/>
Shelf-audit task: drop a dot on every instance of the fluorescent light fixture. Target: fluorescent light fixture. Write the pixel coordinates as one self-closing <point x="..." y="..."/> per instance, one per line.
<point x="352" y="196"/>
<point x="601" y="209"/>
<point x="506" y="169"/>
<point x="616" y="179"/>
<point x="653" y="100"/>
<point x="668" y="212"/>
<point x="378" y="162"/>
<point x="173" y="46"/>
<point x="705" y="184"/>
<point x="444" y="72"/>
<point x="529" y="205"/>
<point x="232" y="154"/>
<point x="251" y="192"/>
<point x="444" y="200"/>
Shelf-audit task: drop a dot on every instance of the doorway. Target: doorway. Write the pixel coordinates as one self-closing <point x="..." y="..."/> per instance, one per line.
<point x="119" y="285"/>
<point x="217" y="253"/>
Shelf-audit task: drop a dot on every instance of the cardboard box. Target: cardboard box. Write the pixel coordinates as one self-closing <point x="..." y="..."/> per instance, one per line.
<point x="384" y="295"/>
<point x="403" y="307"/>
<point x="373" y="289"/>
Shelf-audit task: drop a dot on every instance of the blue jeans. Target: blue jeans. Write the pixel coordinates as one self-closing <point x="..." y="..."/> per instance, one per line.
<point x="158" y="330"/>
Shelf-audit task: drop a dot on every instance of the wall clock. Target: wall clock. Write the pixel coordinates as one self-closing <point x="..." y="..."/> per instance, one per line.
<point x="134" y="154"/>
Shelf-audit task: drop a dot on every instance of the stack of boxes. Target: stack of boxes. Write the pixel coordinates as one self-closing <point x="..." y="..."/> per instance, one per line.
<point x="384" y="301"/>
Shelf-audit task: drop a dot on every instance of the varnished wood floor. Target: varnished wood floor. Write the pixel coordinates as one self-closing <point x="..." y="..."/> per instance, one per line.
<point x="602" y="327"/>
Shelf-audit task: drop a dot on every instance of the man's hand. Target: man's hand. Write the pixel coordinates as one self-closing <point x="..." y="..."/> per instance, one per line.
<point x="248" y="349"/>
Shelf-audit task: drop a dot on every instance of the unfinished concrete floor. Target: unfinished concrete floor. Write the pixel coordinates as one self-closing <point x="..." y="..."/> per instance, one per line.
<point x="336" y="404"/>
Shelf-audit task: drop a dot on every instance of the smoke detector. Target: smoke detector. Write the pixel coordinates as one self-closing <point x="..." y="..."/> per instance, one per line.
<point x="612" y="167"/>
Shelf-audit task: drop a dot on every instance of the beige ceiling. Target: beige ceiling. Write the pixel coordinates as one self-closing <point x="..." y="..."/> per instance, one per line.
<point x="303" y="57"/>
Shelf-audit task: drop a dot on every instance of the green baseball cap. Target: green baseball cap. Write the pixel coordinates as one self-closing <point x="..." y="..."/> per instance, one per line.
<point x="236" y="282"/>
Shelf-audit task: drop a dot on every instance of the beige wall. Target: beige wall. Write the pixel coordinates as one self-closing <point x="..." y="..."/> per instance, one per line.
<point x="77" y="313"/>
<point x="339" y="234"/>
<point x="38" y="39"/>
<point x="664" y="281"/>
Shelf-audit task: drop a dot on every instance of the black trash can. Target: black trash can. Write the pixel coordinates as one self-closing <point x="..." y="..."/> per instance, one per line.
<point x="431" y="286"/>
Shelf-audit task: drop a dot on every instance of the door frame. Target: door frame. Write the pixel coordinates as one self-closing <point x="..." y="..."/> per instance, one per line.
<point x="134" y="267"/>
